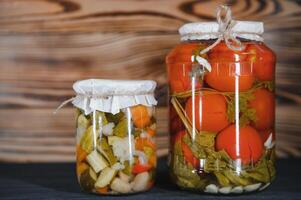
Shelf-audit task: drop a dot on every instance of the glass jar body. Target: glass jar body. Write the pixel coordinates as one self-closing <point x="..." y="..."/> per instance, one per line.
<point x="221" y="122"/>
<point x="116" y="154"/>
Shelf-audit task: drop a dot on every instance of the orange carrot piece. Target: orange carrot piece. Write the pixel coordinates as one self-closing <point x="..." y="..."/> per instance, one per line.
<point x="103" y="190"/>
<point x="140" y="116"/>
<point x="143" y="142"/>
<point x="153" y="160"/>
<point x="150" y="132"/>
<point x="80" y="154"/>
<point x="80" y="168"/>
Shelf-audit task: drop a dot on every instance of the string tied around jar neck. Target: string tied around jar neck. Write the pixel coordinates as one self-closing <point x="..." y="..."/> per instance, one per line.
<point x="92" y="96"/>
<point x="225" y="31"/>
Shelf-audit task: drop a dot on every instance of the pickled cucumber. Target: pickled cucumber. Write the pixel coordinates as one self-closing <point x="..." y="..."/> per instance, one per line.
<point x="100" y="119"/>
<point x="127" y="168"/>
<point x="121" y="129"/>
<point x="86" y="181"/>
<point x="96" y="161"/>
<point x="93" y="174"/>
<point x="82" y="125"/>
<point x="104" y="148"/>
<point x="105" y="177"/>
<point x="113" y="139"/>
<point x="115" y="118"/>
<point x="87" y="140"/>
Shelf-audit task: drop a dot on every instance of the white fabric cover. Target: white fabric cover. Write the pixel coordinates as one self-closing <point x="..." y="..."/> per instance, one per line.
<point x="113" y="95"/>
<point x="250" y="30"/>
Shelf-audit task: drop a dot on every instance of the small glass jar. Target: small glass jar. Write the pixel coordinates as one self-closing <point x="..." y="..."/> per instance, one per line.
<point x="222" y="118"/>
<point x="116" y="125"/>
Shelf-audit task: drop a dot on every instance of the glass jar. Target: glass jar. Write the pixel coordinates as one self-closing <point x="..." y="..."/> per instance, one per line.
<point x="221" y="117"/>
<point x="116" y="124"/>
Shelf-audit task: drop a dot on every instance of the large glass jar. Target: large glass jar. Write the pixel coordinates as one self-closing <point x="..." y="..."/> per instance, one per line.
<point x="116" y="124"/>
<point x="221" y="117"/>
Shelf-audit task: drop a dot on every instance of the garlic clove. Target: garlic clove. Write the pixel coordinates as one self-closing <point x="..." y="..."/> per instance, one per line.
<point x="268" y="144"/>
<point x="225" y="190"/>
<point x="124" y="177"/>
<point x="253" y="187"/>
<point x="120" y="186"/>
<point x="140" y="182"/>
<point x="264" y="186"/>
<point x="211" y="189"/>
<point x="237" y="190"/>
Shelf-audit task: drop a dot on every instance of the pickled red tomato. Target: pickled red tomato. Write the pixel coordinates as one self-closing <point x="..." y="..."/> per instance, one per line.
<point x="220" y="78"/>
<point x="264" y="104"/>
<point x="180" y="79"/>
<point x="182" y="53"/>
<point x="250" y="148"/>
<point x="222" y="53"/>
<point x="263" y="61"/>
<point x="179" y="68"/>
<point x="224" y="62"/>
<point x="210" y="112"/>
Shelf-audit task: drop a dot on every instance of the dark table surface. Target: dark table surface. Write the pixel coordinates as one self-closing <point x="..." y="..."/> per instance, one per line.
<point x="58" y="181"/>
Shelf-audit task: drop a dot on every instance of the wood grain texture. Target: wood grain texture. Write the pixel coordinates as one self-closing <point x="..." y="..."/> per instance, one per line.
<point x="45" y="45"/>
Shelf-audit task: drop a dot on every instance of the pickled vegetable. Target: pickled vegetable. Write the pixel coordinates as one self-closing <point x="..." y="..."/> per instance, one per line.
<point x="96" y="161"/>
<point x="117" y="154"/>
<point x="106" y="151"/>
<point x="87" y="140"/>
<point x="222" y="77"/>
<point x="210" y="112"/>
<point x="250" y="142"/>
<point x="264" y="106"/>
<point x="114" y="118"/>
<point x="100" y="119"/>
<point x="86" y="181"/>
<point x="178" y="75"/>
<point x="140" y="116"/>
<point x="127" y="168"/>
<point x="82" y="125"/>
<point x="121" y="186"/>
<point x="105" y="177"/>
<point x="121" y="129"/>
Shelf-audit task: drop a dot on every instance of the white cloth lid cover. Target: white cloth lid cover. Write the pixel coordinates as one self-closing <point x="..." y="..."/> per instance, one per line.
<point x="112" y="95"/>
<point x="250" y="30"/>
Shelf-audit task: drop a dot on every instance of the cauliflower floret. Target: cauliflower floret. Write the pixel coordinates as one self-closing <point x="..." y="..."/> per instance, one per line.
<point x="124" y="148"/>
<point x="108" y="129"/>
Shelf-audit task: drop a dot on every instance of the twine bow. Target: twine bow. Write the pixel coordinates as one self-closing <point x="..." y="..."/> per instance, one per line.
<point x="225" y="31"/>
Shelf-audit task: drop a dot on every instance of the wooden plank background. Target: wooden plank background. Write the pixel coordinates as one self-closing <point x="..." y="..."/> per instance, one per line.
<point x="45" y="45"/>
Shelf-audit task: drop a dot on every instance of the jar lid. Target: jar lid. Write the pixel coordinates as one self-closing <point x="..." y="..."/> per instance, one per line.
<point x="251" y="30"/>
<point x="112" y="95"/>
